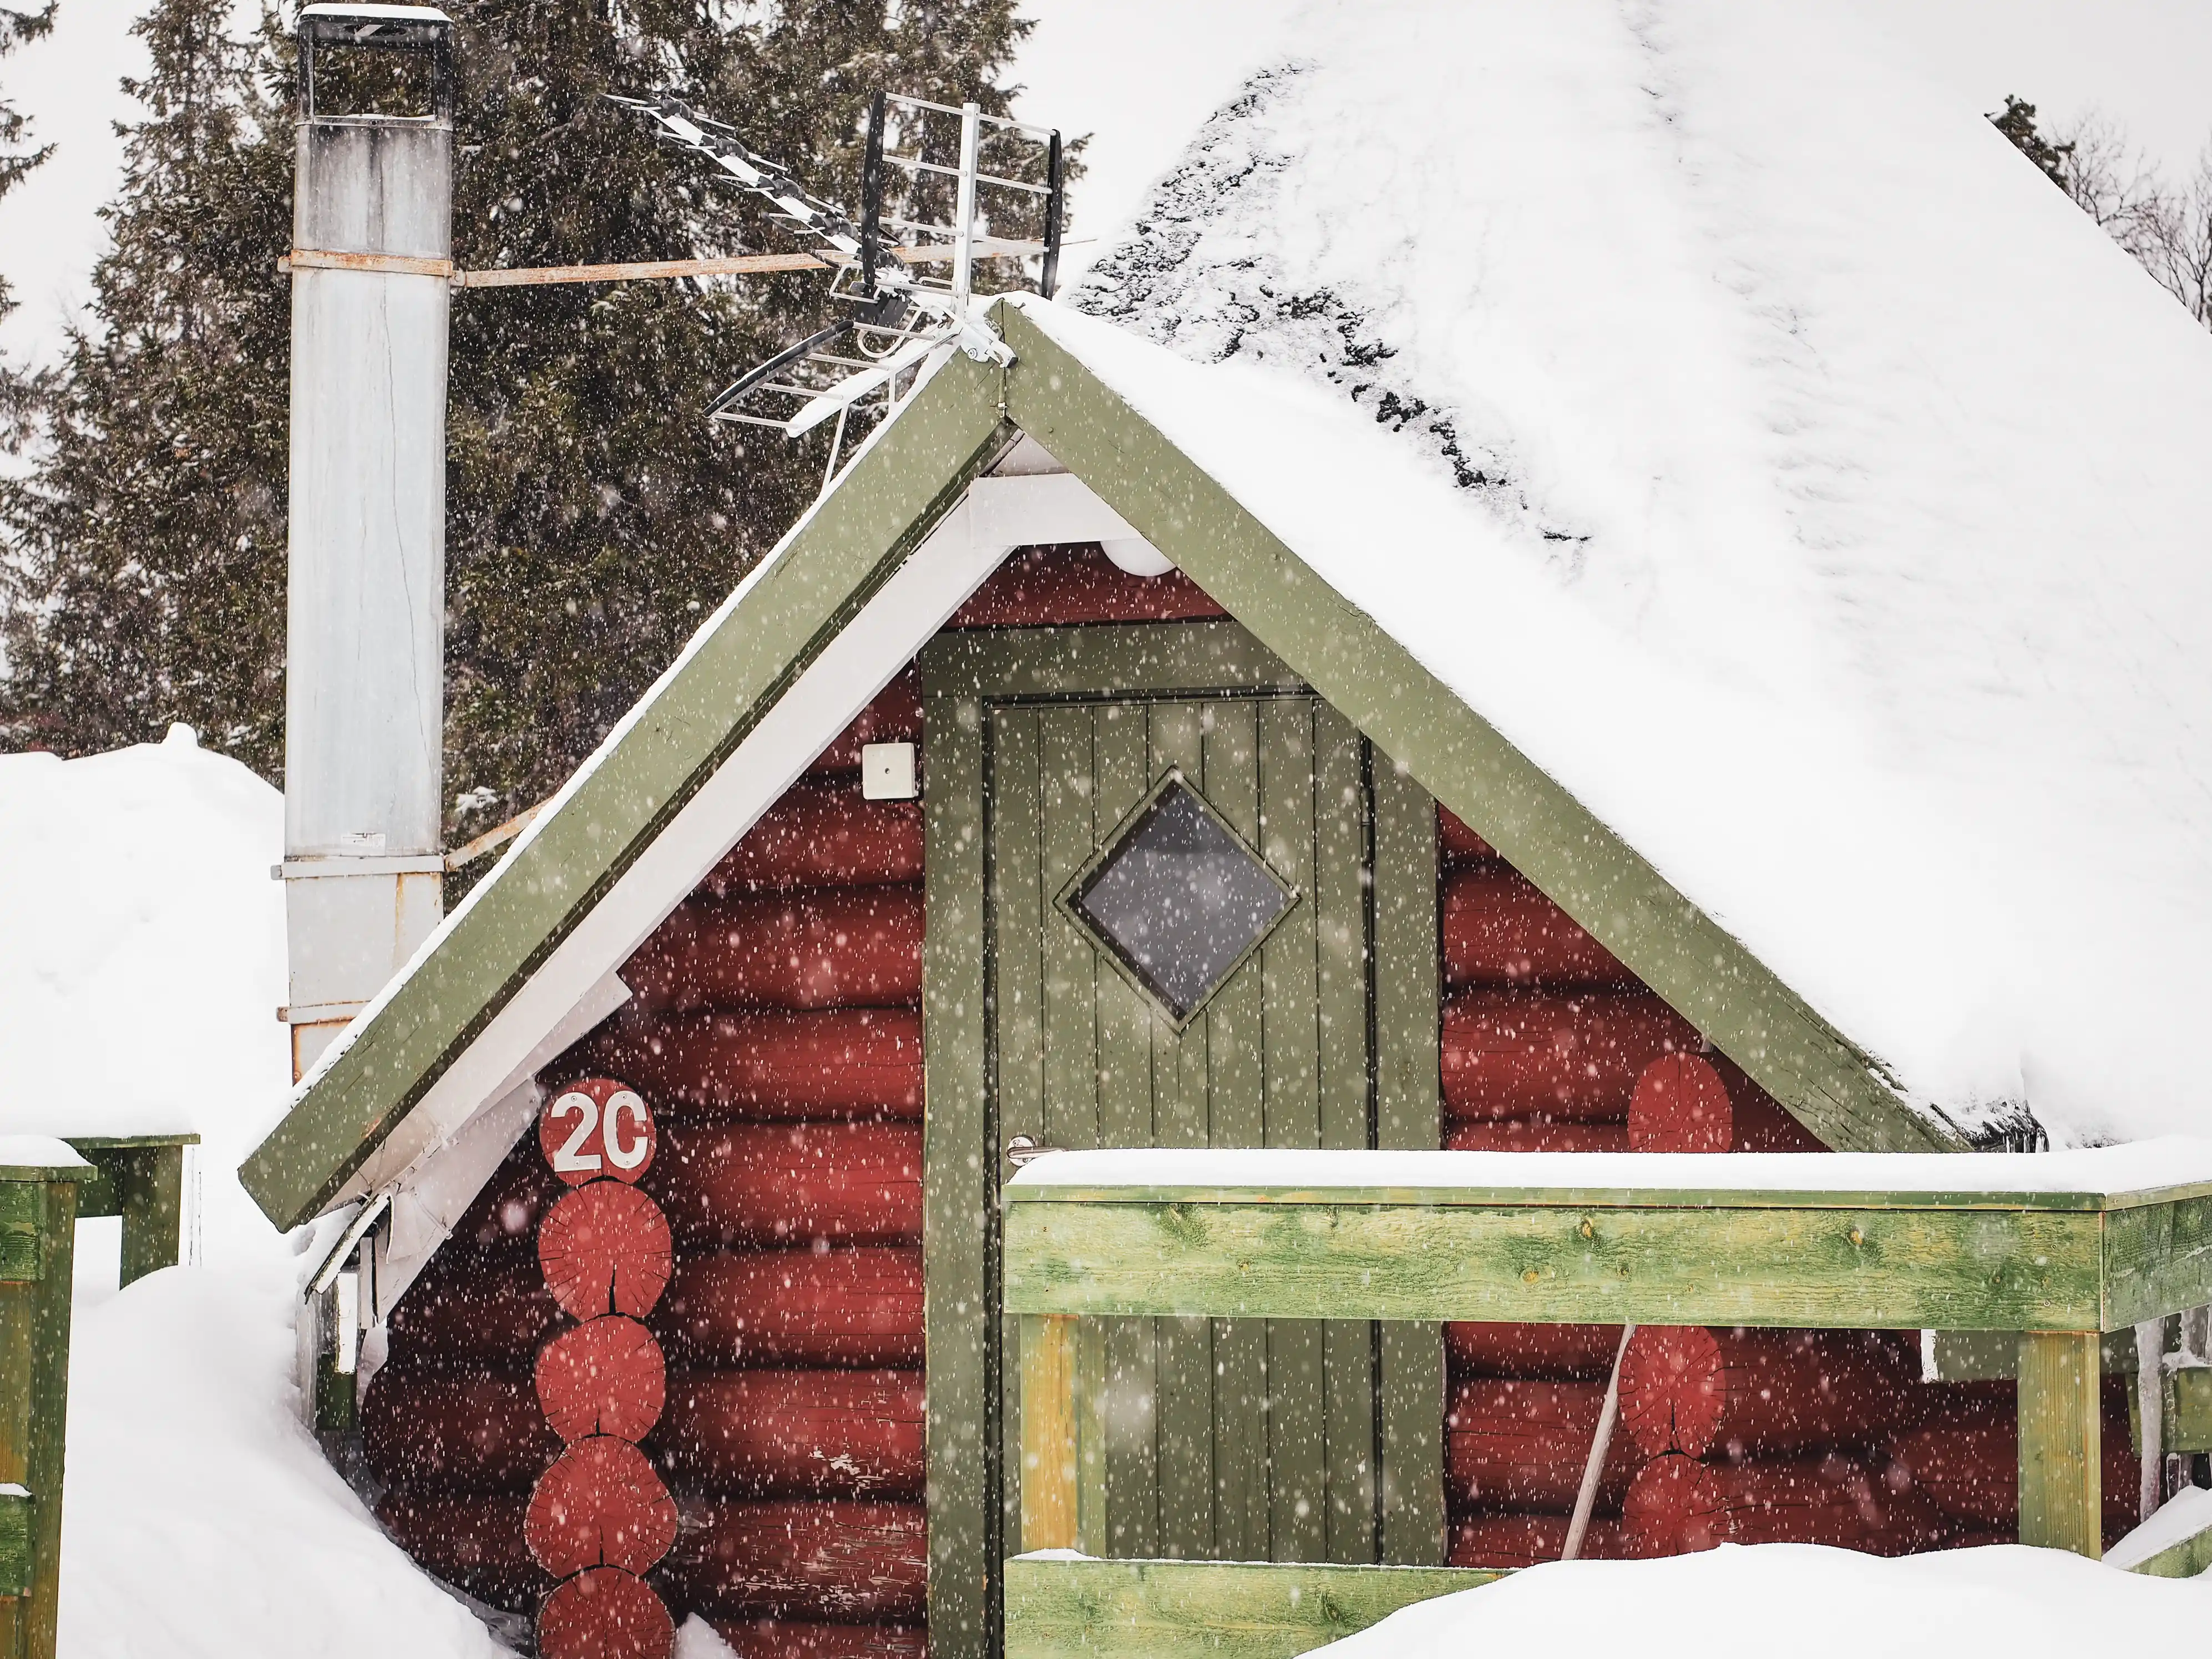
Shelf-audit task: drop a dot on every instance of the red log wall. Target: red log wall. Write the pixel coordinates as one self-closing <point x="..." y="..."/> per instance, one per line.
<point x="1551" y="1044"/>
<point x="774" y="1031"/>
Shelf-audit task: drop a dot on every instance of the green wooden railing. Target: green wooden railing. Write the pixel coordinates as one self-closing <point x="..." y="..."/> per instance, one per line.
<point x="46" y="1187"/>
<point x="140" y="1178"/>
<point x="39" y="1184"/>
<point x="2056" y="1251"/>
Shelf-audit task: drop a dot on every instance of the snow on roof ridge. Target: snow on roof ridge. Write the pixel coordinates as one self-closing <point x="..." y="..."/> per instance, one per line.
<point x="1834" y="539"/>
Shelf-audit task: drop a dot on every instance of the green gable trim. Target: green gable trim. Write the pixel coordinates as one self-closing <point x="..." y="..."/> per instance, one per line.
<point x="831" y="565"/>
<point x="1837" y="1090"/>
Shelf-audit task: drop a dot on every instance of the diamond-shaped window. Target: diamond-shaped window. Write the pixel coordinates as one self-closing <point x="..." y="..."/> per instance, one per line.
<point x="1178" y="899"/>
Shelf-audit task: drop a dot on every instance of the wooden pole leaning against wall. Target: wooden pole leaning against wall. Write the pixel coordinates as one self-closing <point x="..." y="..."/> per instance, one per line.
<point x="37" y="1223"/>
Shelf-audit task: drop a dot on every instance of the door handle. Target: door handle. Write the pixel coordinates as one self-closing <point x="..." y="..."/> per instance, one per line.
<point x="1026" y="1149"/>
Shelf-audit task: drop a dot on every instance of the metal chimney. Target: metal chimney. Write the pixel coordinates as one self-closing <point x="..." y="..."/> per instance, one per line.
<point x="364" y="714"/>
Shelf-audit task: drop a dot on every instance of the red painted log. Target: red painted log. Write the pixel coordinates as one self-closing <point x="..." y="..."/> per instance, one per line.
<point x="1676" y="1506"/>
<point x="833" y="947"/>
<point x="1686" y="1103"/>
<point x="603" y="1376"/>
<point x="473" y="1541"/>
<point x="824" y="1560"/>
<point x="851" y="1307"/>
<point x="1528" y="1540"/>
<point x="795" y="1434"/>
<point x="894" y="716"/>
<point x="1515" y="1054"/>
<point x="462" y="1429"/>
<point x="824" y="835"/>
<point x="776" y="1184"/>
<point x="478" y="1304"/>
<point x="1457" y="843"/>
<point x="601" y="1505"/>
<point x="1532" y="1135"/>
<point x="1761" y="1392"/>
<point x="1499" y="931"/>
<point x="785" y="1638"/>
<point x="513" y="1202"/>
<point x="605" y="1613"/>
<point x="1680" y="1105"/>
<point x="605" y="1248"/>
<point x="1558" y="1354"/>
<point x="1522" y="1445"/>
<point x="1971" y="1472"/>
<point x="1065" y="585"/>
<point x="774" y="1066"/>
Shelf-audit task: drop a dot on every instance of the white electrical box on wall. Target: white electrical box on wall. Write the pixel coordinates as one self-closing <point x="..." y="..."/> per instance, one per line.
<point x="887" y="771"/>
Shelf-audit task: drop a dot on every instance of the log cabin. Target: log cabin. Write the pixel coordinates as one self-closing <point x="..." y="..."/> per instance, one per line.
<point x="1610" y="617"/>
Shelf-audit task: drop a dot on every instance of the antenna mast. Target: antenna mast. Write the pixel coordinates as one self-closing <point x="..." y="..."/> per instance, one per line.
<point x="898" y="312"/>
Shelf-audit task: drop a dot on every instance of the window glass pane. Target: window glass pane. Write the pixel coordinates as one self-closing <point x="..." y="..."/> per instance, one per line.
<point x="1180" y="900"/>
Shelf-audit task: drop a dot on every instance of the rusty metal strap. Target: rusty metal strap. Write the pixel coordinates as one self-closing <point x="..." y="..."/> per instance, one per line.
<point x="742" y="265"/>
<point x="385" y="265"/>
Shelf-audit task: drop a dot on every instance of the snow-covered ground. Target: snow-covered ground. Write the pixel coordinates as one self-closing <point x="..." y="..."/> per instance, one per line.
<point x="1805" y="1600"/>
<point x="141" y="960"/>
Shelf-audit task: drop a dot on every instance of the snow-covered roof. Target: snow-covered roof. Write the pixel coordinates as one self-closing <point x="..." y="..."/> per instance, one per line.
<point x="1776" y="457"/>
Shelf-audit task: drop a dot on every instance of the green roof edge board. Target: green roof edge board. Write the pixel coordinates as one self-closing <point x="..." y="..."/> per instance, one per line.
<point x="824" y="573"/>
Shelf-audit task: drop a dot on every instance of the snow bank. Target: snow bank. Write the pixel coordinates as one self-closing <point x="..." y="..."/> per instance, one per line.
<point x="141" y="960"/>
<point x="1743" y="426"/>
<point x="2168" y="1165"/>
<point x="201" y="1518"/>
<point x="1805" y="1600"/>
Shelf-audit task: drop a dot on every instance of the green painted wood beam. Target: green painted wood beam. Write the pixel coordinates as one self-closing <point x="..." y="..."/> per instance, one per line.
<point x="16" y="1520"/>
<point x="2185" y="1558"/>
<point x="1835" y="1088"/>
<point x="140" y="1178"/>
<point x="826" y="569"/>
<point x="1064" y="1605"/>
<point x="1866" y="1268"/>
<point x="2188" y="1424"/>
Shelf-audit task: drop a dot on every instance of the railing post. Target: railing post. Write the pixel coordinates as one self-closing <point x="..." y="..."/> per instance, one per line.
<point x="37" y="1225"/>
<point x="1048" y="1432"/>
<point x="2061" y="1494"/>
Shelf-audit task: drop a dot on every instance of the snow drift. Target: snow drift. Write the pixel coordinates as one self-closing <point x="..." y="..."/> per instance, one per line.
<point x="142" y="959"/>
<point x="1776" y="457"/>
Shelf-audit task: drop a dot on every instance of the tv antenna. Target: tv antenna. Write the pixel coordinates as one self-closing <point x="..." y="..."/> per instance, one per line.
<point x="901" y="306"/>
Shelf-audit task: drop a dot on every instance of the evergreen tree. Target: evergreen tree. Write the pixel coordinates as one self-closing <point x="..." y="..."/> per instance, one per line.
<point x="146" y="563"/>
<point x="2016" y="120"/>
<point x="593" y="513"/>
<point x="17" y="390"/>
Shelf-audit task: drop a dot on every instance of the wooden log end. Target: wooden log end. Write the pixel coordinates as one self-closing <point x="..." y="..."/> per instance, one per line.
<point x="601" y="1505"/>
<point x="605" y="1248"/>
<point x="605" y="1613"/>
<point x="1680" y="1105"/>
<point x="604" y="1377"/>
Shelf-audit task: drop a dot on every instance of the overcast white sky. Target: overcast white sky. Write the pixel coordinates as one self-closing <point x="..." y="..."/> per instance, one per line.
<point x="1140" y="75"/>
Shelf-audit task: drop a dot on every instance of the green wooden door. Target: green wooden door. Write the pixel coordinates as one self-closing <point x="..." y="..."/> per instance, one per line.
<point x="1229" y="1440"/>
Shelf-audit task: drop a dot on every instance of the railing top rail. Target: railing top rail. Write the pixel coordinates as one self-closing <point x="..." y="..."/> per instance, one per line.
<point x="2104" y="1178"/>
